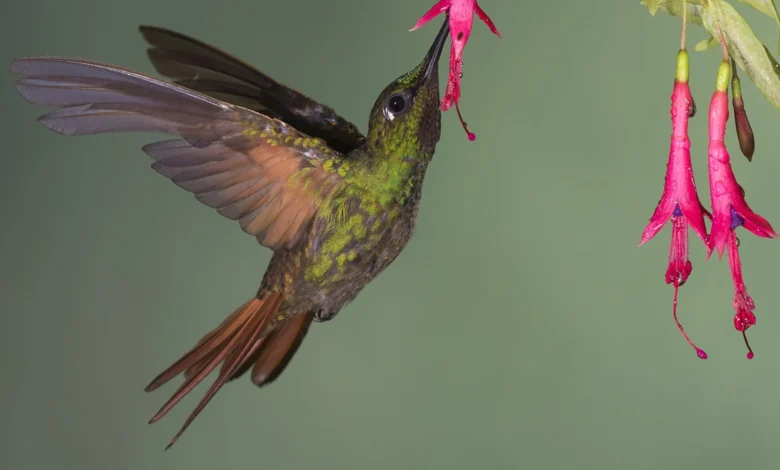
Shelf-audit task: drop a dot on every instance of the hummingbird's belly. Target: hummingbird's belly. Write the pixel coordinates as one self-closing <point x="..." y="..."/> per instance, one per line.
<point x="329" y="271"/>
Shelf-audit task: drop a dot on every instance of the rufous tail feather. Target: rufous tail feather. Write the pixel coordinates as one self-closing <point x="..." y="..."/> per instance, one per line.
<point x="236" y="343"/>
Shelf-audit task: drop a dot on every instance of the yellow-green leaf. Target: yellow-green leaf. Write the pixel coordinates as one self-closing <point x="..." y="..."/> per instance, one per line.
<point x="745" y="48"/>
<point x="652" y="5"/>
<point x="766" y="7"/>
<point x="706" y="44"/>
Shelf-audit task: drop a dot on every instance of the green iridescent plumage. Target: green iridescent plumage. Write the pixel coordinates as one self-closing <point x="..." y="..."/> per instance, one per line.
<point x="379" y="178"/>
<point x="336" y="207"/>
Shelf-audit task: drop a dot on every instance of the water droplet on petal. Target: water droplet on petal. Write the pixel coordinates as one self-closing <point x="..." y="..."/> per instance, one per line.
<point x="460" y="75"/>
<point x="720" y="188"/>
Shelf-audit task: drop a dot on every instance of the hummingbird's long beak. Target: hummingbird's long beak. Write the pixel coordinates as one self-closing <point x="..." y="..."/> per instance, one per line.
<point x="432" y="57"/>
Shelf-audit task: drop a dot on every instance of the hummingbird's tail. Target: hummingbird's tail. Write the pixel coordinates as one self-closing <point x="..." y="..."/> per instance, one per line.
<point x="238" y="342"/>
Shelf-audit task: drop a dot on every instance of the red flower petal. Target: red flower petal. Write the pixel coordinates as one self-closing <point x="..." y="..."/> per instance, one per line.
<point x="725" y="193"/>
<point x="435" y="11"/>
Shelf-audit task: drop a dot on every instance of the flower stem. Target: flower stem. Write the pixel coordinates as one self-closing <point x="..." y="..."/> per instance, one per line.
<point x="683" y="33"/>
<point x="723" y="45"/>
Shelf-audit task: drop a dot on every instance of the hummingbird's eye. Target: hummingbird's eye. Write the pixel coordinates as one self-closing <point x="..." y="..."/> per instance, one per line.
<point x="397" y="104"/>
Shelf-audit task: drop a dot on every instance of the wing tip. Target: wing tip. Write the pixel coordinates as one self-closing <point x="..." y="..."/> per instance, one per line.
<point x="14" y="64"/>
<point x="19" y="65"/>
<point x="23" y="89"/>
<point x="56" y="120"/>
<point x="146" y="30"/>
<point x="154" y="34"/>
<point x="55" y="125"/>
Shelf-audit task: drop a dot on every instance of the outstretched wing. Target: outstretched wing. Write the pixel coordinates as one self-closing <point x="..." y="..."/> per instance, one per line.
<point x="251" y="168"/>
<point x="198" y="66"/>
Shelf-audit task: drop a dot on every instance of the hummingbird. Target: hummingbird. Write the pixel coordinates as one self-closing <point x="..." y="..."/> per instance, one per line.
<point x="335" y="206"/>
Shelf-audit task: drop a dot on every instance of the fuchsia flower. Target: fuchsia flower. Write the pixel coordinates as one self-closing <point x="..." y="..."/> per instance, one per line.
<point x="679" y="201"/>
<point x="729" y="209"/>
<point x="461" y="17"/>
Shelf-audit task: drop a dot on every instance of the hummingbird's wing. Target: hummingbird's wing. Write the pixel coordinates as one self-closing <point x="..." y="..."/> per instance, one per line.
<point x="251" y="168"/>
<point x="204" y="68"/>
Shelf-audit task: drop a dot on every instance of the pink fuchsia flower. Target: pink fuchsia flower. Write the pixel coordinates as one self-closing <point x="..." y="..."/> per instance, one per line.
<point x="680" y="201"/>
<point x="461" y="18"/>
<point x="729" y="209"/>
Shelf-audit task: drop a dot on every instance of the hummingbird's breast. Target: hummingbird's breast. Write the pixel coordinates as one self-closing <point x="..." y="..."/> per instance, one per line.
<point x="345" y="250"/>
<point x="354" y="236"/>
<point x="344" y="259"/>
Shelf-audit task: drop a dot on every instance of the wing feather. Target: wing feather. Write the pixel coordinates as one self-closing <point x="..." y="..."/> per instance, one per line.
<point x="199" y="66"/>
<point x="235" y="160"/>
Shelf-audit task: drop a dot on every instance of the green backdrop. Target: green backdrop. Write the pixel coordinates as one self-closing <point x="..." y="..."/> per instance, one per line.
<point x="521" y="328"/>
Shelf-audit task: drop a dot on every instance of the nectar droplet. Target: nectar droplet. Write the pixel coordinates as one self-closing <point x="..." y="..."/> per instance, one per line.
<point x="703" y="355"/>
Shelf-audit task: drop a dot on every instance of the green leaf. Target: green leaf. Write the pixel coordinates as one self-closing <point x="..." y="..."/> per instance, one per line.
<point x="766" y="7"/>
<point x="652" y="5"/>
<point x="745" y="48"/>
<point x="706" y="44"/>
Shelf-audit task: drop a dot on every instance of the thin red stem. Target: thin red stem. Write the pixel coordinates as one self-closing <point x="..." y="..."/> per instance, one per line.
<point x="750" y="351"/>
<point x="699" y="352"/>
<point x="722" y="42"/>
<point x="471" y="135"/>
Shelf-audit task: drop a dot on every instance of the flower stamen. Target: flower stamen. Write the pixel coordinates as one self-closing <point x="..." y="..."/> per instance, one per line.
<point x="750" y="351"/>
<point x="471" y="135"/>
<point x="680" y="268"/>
<point x="699" y="352"/>
<point x="744" y="305"/>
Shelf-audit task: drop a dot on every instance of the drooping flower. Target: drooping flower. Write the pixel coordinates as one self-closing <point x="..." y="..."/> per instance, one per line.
<point x="461" y="17"/>
<point x="729" y="209"/>
<point x="679" y="201"/>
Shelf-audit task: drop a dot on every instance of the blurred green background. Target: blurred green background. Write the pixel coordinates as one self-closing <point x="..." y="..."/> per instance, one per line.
<point x="521" y="328"/>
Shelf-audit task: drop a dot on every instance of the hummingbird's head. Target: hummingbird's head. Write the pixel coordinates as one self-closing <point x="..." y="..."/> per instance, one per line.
<point x="406" y="118"/>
